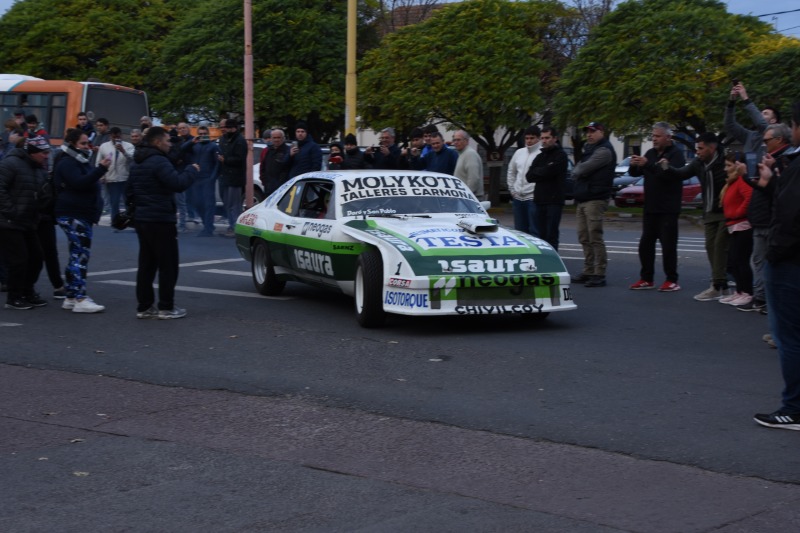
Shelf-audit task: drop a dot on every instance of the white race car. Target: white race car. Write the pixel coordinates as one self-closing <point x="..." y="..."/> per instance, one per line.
<point x="404" y="242"/>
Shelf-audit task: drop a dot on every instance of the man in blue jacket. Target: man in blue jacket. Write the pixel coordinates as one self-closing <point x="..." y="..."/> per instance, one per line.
<point x="152" y="185"/>
<point x="306" y="154"/>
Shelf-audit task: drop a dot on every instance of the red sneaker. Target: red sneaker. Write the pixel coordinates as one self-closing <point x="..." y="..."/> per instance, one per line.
<point x="669" y="286"/>
<point x="642" y="284"/>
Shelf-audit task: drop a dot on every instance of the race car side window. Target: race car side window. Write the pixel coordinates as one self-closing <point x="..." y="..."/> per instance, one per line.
<point x="315" y="199"/>
<point x="289" y="202"/>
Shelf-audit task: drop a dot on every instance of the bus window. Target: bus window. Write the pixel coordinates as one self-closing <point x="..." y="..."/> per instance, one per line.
<point x="122" y="108"/>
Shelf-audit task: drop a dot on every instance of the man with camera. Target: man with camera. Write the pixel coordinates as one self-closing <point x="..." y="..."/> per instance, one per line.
<point x="385" y="156"/>
<point x="121" y="154"/>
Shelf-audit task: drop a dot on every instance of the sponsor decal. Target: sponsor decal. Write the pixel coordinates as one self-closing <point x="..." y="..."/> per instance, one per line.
<point x="367" y="212"/>
<point x="470" y="241"/>
<point x="406" y="299"/>
<point x="315" y="228"/>
<point x="498" y="309"/>
<point x="399" y="282"/>
<point x="248" y="219"/>
<point x="566" y="293"/>
<point x="387" y="186"/>
<point x="400" y="244"/>
<point x="350" y="247"/>
<point x="313" y="262"/>
<point x="497" y="280"/>
<point x="488" y="265"/>
<point x="277" y="227"/>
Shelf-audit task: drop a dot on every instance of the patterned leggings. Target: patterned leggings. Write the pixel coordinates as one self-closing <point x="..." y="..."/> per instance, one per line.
<point x="79" y="235"/>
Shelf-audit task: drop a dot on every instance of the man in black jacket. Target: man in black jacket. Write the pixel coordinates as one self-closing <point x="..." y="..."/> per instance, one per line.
<point x="233" y="172"/>
<point x="152" y="185"/>
<point x="549" y="172"/>
<point x="274" y="168"/>
<point x="709" y="167"/>
<point x="22" y="185"/>
<point x="662" y="206"/>
<point x="594" y="176"/>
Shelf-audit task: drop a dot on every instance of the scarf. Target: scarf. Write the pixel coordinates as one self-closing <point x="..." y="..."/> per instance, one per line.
<point x="82" y="156"/>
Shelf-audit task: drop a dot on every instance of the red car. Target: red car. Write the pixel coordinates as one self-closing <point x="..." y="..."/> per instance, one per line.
<point x="633" y="195"/>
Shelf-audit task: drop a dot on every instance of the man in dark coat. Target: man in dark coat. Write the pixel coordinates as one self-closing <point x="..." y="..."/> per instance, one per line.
<point x="152" y="185"/>
<point x="306" y="154"/>
<point x="549" y="172"/>
<point x="233" y="171"/>
<point x="23" y="181"/>
<point x="274" y="168"/>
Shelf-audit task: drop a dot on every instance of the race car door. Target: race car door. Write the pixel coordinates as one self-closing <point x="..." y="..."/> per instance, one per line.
<point x="307" y="227"/>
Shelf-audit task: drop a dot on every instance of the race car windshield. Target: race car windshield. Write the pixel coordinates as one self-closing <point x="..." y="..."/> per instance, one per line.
<point x="409" y="205"/>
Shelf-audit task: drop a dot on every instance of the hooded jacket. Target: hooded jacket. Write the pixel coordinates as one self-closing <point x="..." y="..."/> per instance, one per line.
<point x="153" y="183"/>
<point x="518" y="185"/>
<point x="77" y="185"/>
<point x="22" y="183"/>
<point x="308" y="159"/>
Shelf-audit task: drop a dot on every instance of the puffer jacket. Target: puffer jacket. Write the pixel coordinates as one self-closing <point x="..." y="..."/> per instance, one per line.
<point x="153" y="183"/>
<point x="21" y="185"/>
<point x="78" y="188"/>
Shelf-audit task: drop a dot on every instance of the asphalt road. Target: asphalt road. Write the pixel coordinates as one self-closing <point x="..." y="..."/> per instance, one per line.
<point x="633" y="413"/>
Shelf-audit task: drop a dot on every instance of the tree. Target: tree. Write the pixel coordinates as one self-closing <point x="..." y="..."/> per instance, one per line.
<point x="298" y="63"/>
<point x="653" y="60"/>
<point x="84" y="39"/>
<point x="477" y="65"/>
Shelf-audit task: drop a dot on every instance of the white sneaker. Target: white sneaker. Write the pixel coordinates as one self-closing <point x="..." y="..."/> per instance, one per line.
<point x="729" y="299"/>
<point x="744" y="299"/>
<point x="708" y="295"/>
<point x="87" y="305"/>
<point x="69" y="304"/>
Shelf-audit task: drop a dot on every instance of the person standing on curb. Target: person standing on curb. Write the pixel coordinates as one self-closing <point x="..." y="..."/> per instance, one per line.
<point x="549" y="172"/>
<point x="520" y="187"/>
<point x="152" y="185"/>
<point x="662" y="207"/>
<point x="594" y="178"/>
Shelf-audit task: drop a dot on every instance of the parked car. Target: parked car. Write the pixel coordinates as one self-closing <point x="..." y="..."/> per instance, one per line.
<point x="633" y="196"/>
<point x="620" y="182"/>
<point x="623" y="167"/>
<point x="414" y="243"/>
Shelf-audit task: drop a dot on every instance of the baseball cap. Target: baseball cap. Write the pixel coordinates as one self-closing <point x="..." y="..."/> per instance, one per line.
<point x="594" y="126"/>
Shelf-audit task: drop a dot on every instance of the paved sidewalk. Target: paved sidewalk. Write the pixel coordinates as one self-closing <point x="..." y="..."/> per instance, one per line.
<point x="93" y="453"/>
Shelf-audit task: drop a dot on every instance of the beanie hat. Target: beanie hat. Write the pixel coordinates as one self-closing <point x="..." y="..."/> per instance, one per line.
<point x="350" y="139"/>
<point x="36" y="144"/>
<point x="301" y="125"/>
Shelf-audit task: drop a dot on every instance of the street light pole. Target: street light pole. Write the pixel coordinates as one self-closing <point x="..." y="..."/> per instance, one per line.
<point x="249" y="133"/>
<point x="350" y="79"/>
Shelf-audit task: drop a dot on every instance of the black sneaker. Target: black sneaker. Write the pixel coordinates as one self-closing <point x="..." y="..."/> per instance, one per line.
<point x="35" y="300"/>
<point x="596" y="281"/>
<point x="583" y="278"/>
<point x="779" y="420"/>
<point x="18" y="303"/>
<point x="754" y="305"/>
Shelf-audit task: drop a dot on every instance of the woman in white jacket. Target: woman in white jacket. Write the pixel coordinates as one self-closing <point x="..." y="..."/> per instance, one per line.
<point x="522" y="191"/>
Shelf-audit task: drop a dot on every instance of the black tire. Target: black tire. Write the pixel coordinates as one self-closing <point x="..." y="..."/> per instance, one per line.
<point x="369" y="289"/>
<point x="263" y="272"/>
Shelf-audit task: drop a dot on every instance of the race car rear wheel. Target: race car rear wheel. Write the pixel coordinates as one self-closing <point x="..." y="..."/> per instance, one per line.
<point x="263" y="272"/>
<point x="369" y="289"/>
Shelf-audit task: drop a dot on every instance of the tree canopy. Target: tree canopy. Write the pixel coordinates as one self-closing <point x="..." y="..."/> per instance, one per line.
<point x="653" y="60"/>
<point x="479" y="65"/>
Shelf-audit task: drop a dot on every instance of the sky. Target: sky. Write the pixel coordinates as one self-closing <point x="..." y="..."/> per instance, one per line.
<point x="788" y="23"/>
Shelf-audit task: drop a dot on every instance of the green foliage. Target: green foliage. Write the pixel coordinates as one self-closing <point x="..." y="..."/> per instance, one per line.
<point x="115" y="42"/>
<point x="655" y="60"/>
<point x="299" y="63"/>
<point x="770" y="75"/>
<point x="478" y="65"/>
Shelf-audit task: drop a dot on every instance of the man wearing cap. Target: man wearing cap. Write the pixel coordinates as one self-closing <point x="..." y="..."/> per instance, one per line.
<point x="22" y="180"/>
<point x="232" y="172"/>
<point x="594" y="177"/>
<point x="306" y="154"/>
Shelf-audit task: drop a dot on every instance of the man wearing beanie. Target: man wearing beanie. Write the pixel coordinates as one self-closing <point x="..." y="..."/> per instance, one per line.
<point x="233" y="171"/>
<point x="306" y="154"/>
<point x="353" y="158"/>
<point x="22" y="177"/>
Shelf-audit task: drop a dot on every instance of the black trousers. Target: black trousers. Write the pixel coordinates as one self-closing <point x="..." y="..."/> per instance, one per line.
<point x="158" y="253"/>
<point x="662" y="227"/>
<point x="741" y="248"/>
<point x="46" y="230"/>
<point x="23" y="260"/>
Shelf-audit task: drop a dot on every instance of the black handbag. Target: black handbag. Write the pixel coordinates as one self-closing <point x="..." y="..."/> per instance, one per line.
<point x="124" y="219"/>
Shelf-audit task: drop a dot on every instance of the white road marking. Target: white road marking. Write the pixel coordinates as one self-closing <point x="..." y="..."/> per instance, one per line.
<point x="227" y="272"/>
<point x="8" y="324"/>
<point x="202" y="290"/>
<point x="197" y="263"/>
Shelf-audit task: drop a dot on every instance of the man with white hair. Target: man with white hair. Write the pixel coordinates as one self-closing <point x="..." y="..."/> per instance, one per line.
<point x="469" y="167"/>
<point x="662" y="207"/>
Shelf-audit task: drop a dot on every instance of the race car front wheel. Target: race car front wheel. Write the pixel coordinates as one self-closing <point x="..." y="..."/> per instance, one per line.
<point x="369" y="289"/>
<point x="263" y="272"/>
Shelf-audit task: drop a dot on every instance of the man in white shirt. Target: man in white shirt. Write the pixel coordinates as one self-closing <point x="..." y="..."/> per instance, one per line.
<point x="121" y="154"/>
<point x="521" y="190"/>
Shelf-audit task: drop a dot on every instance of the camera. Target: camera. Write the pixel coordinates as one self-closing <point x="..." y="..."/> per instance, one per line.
<point x="734" y="82"/>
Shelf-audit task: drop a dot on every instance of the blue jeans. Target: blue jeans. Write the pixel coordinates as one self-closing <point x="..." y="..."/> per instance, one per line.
<point x="757" y="261"/>
<point x="115" y="190"/>
<point x="525" y="216"/>
<point x="548" y="218"/>
<point x="782" y="284"/>
<point x="232" y="200"/>
<point x="204" y="202"/>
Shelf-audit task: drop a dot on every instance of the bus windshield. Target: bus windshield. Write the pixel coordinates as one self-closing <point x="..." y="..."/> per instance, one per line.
<point x="123" y="108"/>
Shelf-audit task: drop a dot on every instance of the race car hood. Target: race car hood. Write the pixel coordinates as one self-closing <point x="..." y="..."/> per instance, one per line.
<point x="450" y="243"/>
